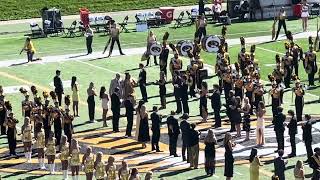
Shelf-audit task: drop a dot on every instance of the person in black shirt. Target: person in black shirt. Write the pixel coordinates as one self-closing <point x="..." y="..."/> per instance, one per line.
<point x="184" y="94"/>
<point x="201" y="7"/>
<point x="3" y="114"/>
<point x="292" y="132"/>
<point x="315" y="164"/>
<point x="307" y="135"/>
<point x="115" y="108"/>
<point x="185" y="129"/>
<point x="58" y="86"/>
<point x="156" y="123"/>
<point x="143" y="82"/>
<point x="278" y="122"/>
<point x="176" y="81"/>
<point x="216" y="105"/>
<point x="244" y="9"/>
<point x="162" y="90"/>
<point x="164" y="58"/>
<point x="194" y="147"/>
<point x="280" y="165"/>
<point x="173" y="132"/>
<point x="129" y="105"/>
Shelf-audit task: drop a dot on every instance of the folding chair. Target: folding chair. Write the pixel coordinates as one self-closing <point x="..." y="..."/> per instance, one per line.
<point x="178" y="20"/>
<point x="123" y="25"/>
<point x="36" y="30"/>
<point x="72" y="29"/>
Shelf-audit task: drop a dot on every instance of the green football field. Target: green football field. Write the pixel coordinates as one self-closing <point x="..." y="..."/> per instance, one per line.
<point x="101" y="71"/>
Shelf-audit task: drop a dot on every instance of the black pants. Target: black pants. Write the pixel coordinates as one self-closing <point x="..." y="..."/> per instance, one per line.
<point x="113" y="40"/>
<point x="2" y="127"/>
<point x="115" y="120"/>
<point x="308" y="145"/>
<point x="59" y="95"/>
<point x="144" y="94"/>
<point x="201" y="32"/>
<point x="89" y="40"/>
<point x="129" y="124"/>
<point x="57" y="135"/>
<point x="154" y="60"/>
<point x="296" y="67"/>
<point x="311" y="79"/>
<point x="293" y="144"/>
<point x="91" y="107"/>
<point x="163" y="100"/>
<point x="281" y="23"/>
<point x="30" y="55"/>
<point x="185" y="105"/>
<point x="299" y="103"/>
<point x="217" y="117"/>
<point x="275" y="104"/>
<point x="155" y="139"/>
<point x="173" y="144"/>
<point x="163" y="67"/>
<point x="280" y="139"/>
<point x="12" y="141"/>
<point x="287" y="78"/>
<point x="178" y="101"/>
<point x="184" y="150"/>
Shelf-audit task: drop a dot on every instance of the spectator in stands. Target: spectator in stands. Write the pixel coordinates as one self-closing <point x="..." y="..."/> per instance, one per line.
<point x="244" y="9"/>
<point x="216" y="9"/>
<point x="29" y="48"/>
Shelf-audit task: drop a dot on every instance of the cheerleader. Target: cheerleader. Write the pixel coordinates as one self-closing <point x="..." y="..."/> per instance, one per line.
<point x="124" y="171"/>
<point x="99" y="167"/>
<point x="40" y="144"/>
<point x="203" y="102"/>
<point x="64" y="156"/>
<point x="67" y="125"/>
<point x="88" y="163"/>
<point x="27" y="138"/>
<point x="51" y="152"/>
<point x="11" y="123"/>
<point x="75" y="159"/>
<point x="111" y="169"/>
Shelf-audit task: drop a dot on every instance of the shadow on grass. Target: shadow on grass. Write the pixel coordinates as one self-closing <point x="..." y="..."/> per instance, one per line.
<point x="174" y="173"/>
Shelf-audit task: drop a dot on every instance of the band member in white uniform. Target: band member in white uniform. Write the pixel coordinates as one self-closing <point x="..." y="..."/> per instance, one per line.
<point x="305" y="15"/>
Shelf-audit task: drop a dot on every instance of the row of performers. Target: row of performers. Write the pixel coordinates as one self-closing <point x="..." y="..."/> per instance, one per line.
<point x="244" y="77"/>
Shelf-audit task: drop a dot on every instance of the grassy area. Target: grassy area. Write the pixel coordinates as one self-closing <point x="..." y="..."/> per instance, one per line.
<point x="32" y="8"/>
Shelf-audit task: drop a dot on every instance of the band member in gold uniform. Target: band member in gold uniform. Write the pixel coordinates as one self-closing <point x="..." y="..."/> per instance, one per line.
<point x="51" y="152"/>
<point x="111" y="169"/>
<point x="299" y="100"/>
<point x="27" y="138"/>
<point x="124" y="171"/>
<point x="40" y="143"/>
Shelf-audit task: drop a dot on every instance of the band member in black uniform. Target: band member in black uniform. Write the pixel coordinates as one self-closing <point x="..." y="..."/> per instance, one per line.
<point x="156" y="123"/>
<point x="184" y="94"/>
<point x="46" y="115"/>
<point x="258" y="95"/>
<point x="278" y="74"/>
<point x="173" y="132"/>
<point x="278" y="122"/>
<point x="11" y="123"/>
<point x="292" y="126"/>
<point x="115" y="108"/>
<point x="143" y="82"/>
<point x="162" y="90"/>
<point x="249" y="87"/>
<point x="238" y="86"/>
<point x="163" y="58"/>
<point x="216" y="105"/>
<point x="67" y="124"/>
<point x="185" y="133"/>
<point x="203" y="107"/>
<point x="275" y="95"/>
<point x="227" y="82"/>
<point x="229" y="103"/>
<point x="192" y="73"/>
<point x="3" y="115"/>
<point x="58" y="86"/>
<point x="307" y="135"/>
<point x="57" y="123"/>
<point x="297" y="54"/>
<point x="26" y="106"/>
<point x="176" y="81"/>
<point x="299" y="100"/>
<point x="287" y="67"/>
<point x="129" y="105"/>
<point x="310" y="65"/>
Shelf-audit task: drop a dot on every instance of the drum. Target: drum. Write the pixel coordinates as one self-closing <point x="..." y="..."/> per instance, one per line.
<point x="155" y="49"/>
<point x="184" y="47"/>
<point x="211" y="44"/>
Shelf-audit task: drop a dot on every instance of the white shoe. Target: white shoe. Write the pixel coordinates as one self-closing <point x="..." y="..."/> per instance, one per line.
<point x="53" y="165"/>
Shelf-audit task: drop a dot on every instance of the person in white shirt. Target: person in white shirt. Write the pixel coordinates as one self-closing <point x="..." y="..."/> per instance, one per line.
<point x="305" y="15"/>
<point x="216" y="8"/>
<point x="89" y="39"/>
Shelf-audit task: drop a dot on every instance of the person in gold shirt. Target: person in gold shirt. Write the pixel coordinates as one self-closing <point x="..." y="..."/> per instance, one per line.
<point x="51" y="152"/>
<point x="40" y="143"/>
<point x="99" y="166"/>
<point x="75" y="158"/>
<point x="27" y="138"/>
<point x="64" y="156"/>
<point x="111" y="169"/>
<point x="29" y="48"/>
<point x="88" y="163"/>
<point x="124" y="171"/>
